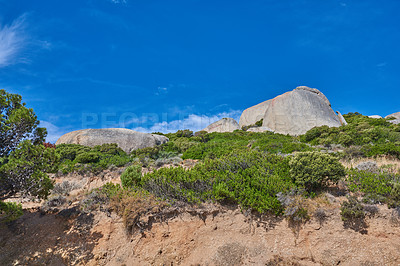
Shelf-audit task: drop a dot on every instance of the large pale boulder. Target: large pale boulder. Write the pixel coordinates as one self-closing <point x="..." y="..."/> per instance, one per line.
<point x="298" y="111"/>
<point x="395" y="115"/>
<point x="128" y="140"/>
<point x="375" y="116"/>
<point x="253" y="114"/>
<point x="223" y="125"/>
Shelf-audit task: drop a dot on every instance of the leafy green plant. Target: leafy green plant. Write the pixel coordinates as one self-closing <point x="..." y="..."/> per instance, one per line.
<point x="10" y="211"/>
<point x="251" y="179"/>
<point x="88" y="157"/>
<point x="26" y="171"/>
<point x="394" y="198"/>
<point x="315" y="170"/>
<point x="131" y="176"/>
<point x="353" y="215"/>
<point x="352" y="210"/>
<point x="376" y="186"/>
<point x="70" y="151"/>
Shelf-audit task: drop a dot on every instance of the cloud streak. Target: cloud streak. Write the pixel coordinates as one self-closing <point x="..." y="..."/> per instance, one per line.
<point x="12" y="41"/>
<point x="53" y="132"/>
<point x="118" y="1"/>
<point x="193" y="122"/>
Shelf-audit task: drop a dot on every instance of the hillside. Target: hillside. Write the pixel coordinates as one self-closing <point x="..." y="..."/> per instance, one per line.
<point x="330" y="196"/>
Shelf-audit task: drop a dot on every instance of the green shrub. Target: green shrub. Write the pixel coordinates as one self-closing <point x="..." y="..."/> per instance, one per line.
<point x="131" y="176"/>
<point x="394" y="199"/>
<point x="251" y="179"/>
<point x="377" y="136"/>
<point x="314" y="170"/>
<point x="352" y="210"/>
<point x="116" y="160"/>
<point x="87" y="157"/>
<point x="70" y="151"/>
<point x="221" y="144"/>
<point x="110" y="149"/>
<point x="376" y="186"/>
<point x="259" y="123"/>
<point x="10" y="211"/>
<point x="150" y="152"/>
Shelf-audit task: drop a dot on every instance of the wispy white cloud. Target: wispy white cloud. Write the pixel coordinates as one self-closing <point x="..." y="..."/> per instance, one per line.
<point x="161" y="91"/>
<point x="118" y="1"/>
<point x="193" y="122"/>
<point x="12" y="41"/>
<point x="53" y="132"/>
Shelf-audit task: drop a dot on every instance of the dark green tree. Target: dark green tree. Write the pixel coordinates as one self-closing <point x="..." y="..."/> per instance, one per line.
<point x="24" y="161"/>
<point x="17" y="123"/>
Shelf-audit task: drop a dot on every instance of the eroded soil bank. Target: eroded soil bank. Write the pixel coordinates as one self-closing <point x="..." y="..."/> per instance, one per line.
<point x="207" y="236"/>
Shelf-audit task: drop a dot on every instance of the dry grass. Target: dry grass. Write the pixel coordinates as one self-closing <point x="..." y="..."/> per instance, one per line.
<point x="133" y="207"/>
<point x="392" y="164"/>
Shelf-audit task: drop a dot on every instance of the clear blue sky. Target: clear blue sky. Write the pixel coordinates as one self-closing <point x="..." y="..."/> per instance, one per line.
<point x="163" y="65"/>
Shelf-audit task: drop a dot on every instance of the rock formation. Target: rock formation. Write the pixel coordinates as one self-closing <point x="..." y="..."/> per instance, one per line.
<point x="294" y="112"/>
<point x="253" y="114"/>
<point x="298" y="111"/>
<point x="128" y="140"/>
<point x="395" y="115"/>
<point x="223" y="125"/>
<point x="375" y="116"/>
<point x="341" y="119"/>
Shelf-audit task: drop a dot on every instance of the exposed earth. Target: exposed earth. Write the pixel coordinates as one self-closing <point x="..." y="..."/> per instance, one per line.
<point x="194" y="235"/>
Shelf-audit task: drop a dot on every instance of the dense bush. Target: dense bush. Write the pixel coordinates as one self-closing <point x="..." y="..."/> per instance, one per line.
<point x="81" y="159"/>
<point x="251" y="179"/>
<point x="10" y="211"/>
<point x="87" y="157"/>
<point x="25" y="171"/>
<point x="374" y="136"/>
<point x="23" y="158"/>
<point x="70" y="151"/>
<point x="352" y="210"/>
<point x="220" y="144"/>
<point x="131" y="176"/>
<point x="314" y="170"/>
<point x="376" y="187"/>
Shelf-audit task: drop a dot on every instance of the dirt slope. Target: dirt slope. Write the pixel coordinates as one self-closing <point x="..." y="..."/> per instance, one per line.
<point x="205" y="235"/>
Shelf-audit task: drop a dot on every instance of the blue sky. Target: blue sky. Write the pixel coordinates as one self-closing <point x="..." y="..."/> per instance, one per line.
<point x="166" y="65"/>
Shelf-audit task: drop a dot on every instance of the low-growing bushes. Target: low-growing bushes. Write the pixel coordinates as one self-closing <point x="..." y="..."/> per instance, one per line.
<point x="10" y="211"/>
<point x="82" y="159"/>
<point x="373" y="136"/>
<point x="353" y="215"/>
<point x="377" y="187"/>
<point x="251" y="179"/>
<point x="131" y="176"/>
<point x="315" y="170"/>
<point x="87" y="157"/>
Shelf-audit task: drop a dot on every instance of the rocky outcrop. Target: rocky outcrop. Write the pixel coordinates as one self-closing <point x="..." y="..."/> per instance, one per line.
<point x="223" y="125"/>
<point x="298" y="111"/>
<point x="127" y="139"/>
<point x="253" y="114"/>
<point x="259" y="129"/>
<point x="375" y="116"/>
<point x="341" y="118"/>
<point x="395" y="115"/>
<point x="396" y="121"/>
